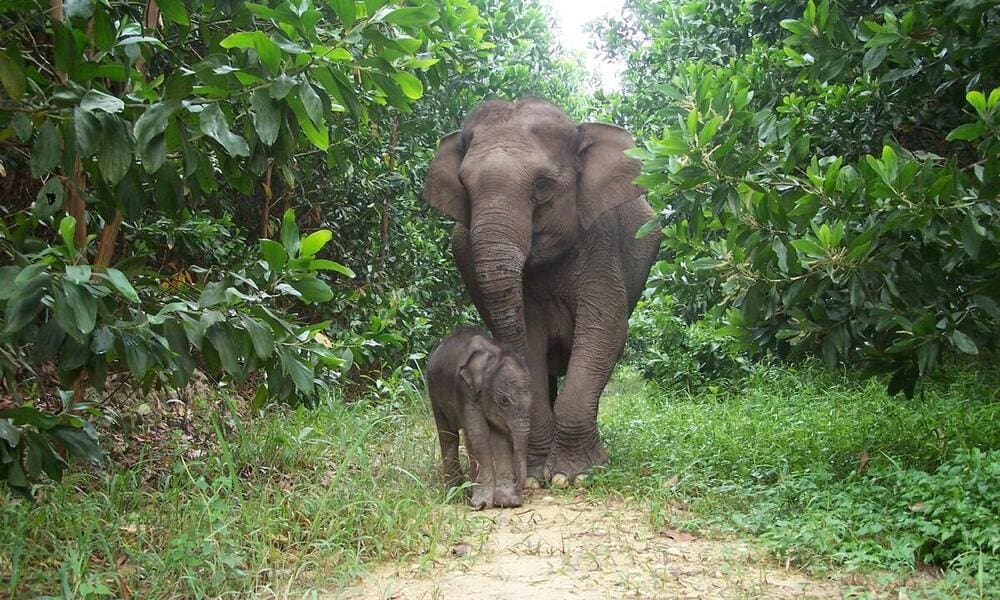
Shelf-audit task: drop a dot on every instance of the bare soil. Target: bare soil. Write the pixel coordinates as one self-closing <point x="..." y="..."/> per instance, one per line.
<point x="559" y="547"/>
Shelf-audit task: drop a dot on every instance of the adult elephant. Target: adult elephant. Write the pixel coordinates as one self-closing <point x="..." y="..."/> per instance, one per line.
<point x="546" y="215"/>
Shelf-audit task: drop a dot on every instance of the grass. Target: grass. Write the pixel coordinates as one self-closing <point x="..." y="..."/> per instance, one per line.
<point x="293" y="499"/>
<point x="825" y="471"/>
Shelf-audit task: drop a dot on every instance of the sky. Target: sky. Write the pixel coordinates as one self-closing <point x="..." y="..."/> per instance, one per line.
<point x="571" y="16"/>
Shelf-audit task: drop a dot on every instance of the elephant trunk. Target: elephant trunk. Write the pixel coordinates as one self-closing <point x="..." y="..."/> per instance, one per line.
<point x="519" y="439"/>
<point x="499" y="255"/>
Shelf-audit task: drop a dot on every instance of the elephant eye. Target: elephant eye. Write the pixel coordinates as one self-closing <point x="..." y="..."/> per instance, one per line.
<point x="503" y="400"/>
<point x="543" y="190"/>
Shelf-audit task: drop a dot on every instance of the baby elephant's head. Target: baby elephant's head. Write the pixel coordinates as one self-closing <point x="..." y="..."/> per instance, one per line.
<point x="499" y="381"/>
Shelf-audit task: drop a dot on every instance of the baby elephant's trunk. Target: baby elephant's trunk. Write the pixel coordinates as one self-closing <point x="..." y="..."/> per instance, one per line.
<point x="519" y="438"/>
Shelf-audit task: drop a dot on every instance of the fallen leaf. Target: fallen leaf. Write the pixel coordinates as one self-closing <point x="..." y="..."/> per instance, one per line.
<point x="671" y="482"/>
<point x="677" y="535"/>
<point x="919" y="506"/>
<point x="460" y="550"/>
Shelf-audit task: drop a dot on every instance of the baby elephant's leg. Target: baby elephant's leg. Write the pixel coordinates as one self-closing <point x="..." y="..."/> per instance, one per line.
<point x="448" y="438"/>
<point x="507" y="492"/>
<point x="477" y="443"/>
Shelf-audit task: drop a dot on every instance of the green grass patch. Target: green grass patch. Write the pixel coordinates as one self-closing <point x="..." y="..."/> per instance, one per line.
<point x="824" y="469"/>
<point x="290" y="499"/>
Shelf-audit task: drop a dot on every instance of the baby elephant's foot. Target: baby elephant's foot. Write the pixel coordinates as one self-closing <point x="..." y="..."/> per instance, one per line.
<point x="507" y="497"/>
<point x="481" y="498"/>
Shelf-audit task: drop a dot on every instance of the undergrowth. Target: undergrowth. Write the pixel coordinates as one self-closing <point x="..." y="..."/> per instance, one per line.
<point x="827" y="471"/>
<point x="292" y="499"/>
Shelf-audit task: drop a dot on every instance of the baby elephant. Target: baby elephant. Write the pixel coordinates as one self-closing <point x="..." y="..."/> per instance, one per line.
<point x="483" y="388"/>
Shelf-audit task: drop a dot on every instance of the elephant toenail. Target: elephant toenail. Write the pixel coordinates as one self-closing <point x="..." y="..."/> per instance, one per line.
<point x="580" y="480"/>
<point x="531" y="483"/>
<point x="560" y="481"/>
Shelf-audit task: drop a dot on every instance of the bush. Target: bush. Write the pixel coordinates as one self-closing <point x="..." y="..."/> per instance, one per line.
<point x="677" y="354"/>
<point x="830" y="191"/>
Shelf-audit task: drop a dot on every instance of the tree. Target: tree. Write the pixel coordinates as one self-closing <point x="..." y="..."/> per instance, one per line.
<point x="827" y="176"/>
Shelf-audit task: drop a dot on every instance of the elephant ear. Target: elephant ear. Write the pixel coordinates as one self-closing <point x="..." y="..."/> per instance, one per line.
<point x="442" y="189"/>
<point x="606" y="174"/>
<point x="474" y="367"/>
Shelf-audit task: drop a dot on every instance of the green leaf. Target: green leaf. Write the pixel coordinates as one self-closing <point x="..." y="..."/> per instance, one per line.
<point x="266" y="116"/>
<point x="978" y="102"/>
<point x="709" y="130"/>
<point x="136" y="356"/>
<point x="116" y="150"/>
<point x="78" y="273"/>
<point x="963" y="342"/>
<point x="314" y="242"/>
<point x="12" y="76"/>
<point x="222" y="341"/>
<point x="275" y="255"/>
<point x="8" y="275"/>
<point x="267" y="51"/>
<point x="77" y="442"/>
<point x="25" y="303"/>
<point x="967" y="132"/>
<point x="410" y="85"/>
<point x="260" y="336"/>
<point x="317" y="133"/>
<point x="64" y="48"/>
<point x="88" y="132"/>
<point x="121" y="283"/>
<point x="345" y="10"/>
<point x="648" y="227"/>
<point x="412" y="16"/>
<point x="152" y="123"/>
<point x="84" y="306"/>
<point x="175" y="11"/>
<point x="313" y="289"/>
<point x="213" y="294"/>
<point x="104" y="29"/>
<point x="213" y="123"/>
<point x="290" y="233"/>
<point x="67" y="230"/>
<point x="97" y="100"/>
<point x="298" y="370"/>
<point x="973" y="235"/>
<point x="311" y="102"/>
<point x="328" y="265"/>
<point x="49" y="199"/>
<point x="874" y="57"/>
<point x="47" y="149"/>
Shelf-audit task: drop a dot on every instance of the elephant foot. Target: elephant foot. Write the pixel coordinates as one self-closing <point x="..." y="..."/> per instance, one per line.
<point x="572" y="465"/>
<point x="481" y="498"/>
<point x="507" y="498"/>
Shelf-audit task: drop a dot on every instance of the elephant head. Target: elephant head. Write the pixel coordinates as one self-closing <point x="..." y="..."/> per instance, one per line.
<point x="527" y="182"/>
<point x="498" y="381"/>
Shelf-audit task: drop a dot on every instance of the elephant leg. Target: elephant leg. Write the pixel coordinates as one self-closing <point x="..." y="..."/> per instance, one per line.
<point x="506" y="491"/>
<point x="451" y="468"/>
<point x="576" y="444"/>
<point x="540" y="439"/>
<point x="481" y="471"/>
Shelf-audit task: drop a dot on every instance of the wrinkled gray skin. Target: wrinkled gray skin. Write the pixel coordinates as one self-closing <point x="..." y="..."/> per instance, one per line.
<point x="484" y="389"/>
<point x="546" y="215"/>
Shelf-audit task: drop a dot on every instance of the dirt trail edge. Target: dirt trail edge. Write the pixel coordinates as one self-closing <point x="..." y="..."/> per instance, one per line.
<point x="566" y="547"/>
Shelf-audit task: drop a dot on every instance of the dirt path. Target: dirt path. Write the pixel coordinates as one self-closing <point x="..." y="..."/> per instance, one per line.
<point x="566" y="547"/>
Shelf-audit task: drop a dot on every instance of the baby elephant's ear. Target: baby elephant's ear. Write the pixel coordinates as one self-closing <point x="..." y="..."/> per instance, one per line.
<point x="473" y="370"/>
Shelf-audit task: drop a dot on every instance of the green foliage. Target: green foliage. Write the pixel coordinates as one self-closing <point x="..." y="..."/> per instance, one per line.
<point x="828" y="190"/>
<point x="678" y="355"/>
<point x="824" y="469"/>
<point x="88" y="321"/>
<point x="335" y="486"/>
